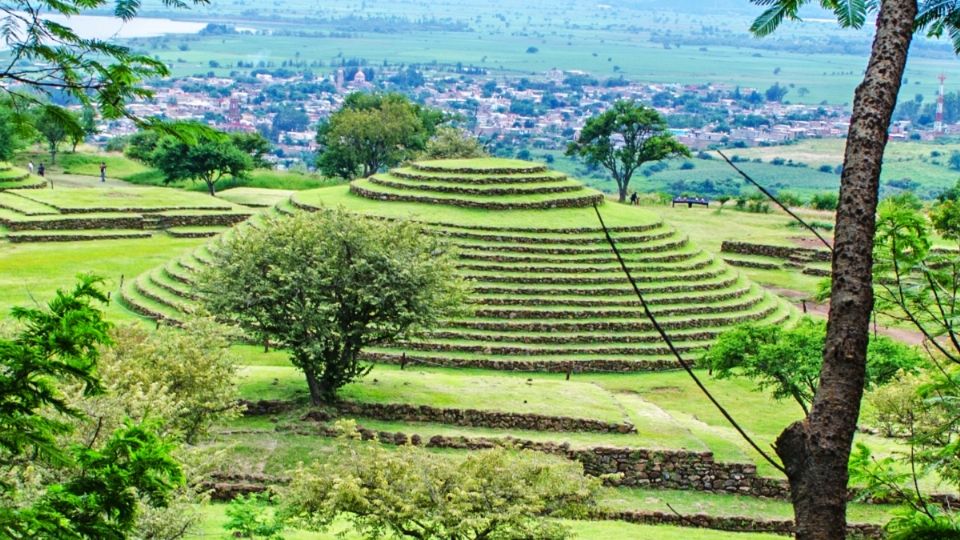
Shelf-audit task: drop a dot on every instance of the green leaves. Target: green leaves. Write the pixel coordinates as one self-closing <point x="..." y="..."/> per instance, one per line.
<point x="91" y="71"/>
<point x="328" y="284"/>
<point x="372" y="131"/>
<point x="56" y="346"/>
<point x="772" y="17"/>
<point x="99" y="489"/>
<point x="849" y="13"/>
<point x="411" y="492"/>
<point x="788" y="361"/>
<point x="191" y="151"/>
<point x="623" y="138"/>
<point x="937" y="16"/>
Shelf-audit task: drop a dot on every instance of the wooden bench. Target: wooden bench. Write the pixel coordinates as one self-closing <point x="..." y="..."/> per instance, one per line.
<point x="690" y="201"/>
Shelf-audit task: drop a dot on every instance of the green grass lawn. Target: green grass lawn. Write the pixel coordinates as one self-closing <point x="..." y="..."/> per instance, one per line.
<point x="389" y="384"/>
<point x="614" y="214"/>
<point x="722" y="504"/>
<point x="33" y="271"/>
<point x="255" y="196"/>
<point x="86" y="162"/>
<point x="214" y="518"/>
<point x="137" y="199"/>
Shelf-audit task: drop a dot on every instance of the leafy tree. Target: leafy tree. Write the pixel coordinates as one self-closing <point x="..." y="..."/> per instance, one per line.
<point x="788" y="361"/>
<point x="623" y="138"/>
<point x="102" y="497"/>
<point x="413" y="493"/>
<point x="815" y="451"/>
<point x="100" y="488"/>
<point x="55" y="126"/>
<point x="88" y="127"/>
<point x="954" y="160"/>
<point x="918" y="518"/>
<point x="45" y="353"/>
<point x="326" y="285"/>
<point x="184" y="376"/>
<point x="373" y="131"/>
<point x="289" y="119"/>
<point x="12" y="135"/>
<point x="90" y="70"/>
<point x="776" y="92"/>
<point x="254" y="145"/>
<point x="141" y="145"/>
<point x="208" y="160"/>
<point x="452" y="143"/>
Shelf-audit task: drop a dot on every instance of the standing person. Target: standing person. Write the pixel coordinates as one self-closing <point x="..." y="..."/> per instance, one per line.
<point x="103" y="171"/>
<point x="30" y="167"/>
<point x="41" y="170"/>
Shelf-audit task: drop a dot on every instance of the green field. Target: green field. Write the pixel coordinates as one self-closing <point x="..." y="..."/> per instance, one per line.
<point x="917" y="161"/>
<point x="607" y="41"/>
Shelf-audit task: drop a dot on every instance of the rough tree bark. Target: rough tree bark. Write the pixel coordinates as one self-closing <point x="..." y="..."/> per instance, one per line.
<point x="815" y="451"/>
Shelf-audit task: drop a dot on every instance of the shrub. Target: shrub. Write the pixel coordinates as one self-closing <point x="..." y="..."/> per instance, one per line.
<point x="790" y="199"/>
<point x="250" y="516"/>
<point x="824" y="201"/>
<point x="412" y="492"/>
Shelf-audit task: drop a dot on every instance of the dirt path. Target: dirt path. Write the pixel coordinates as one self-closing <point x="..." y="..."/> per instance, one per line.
<point x="911" y="337"/>
<point x="61" y="180"/>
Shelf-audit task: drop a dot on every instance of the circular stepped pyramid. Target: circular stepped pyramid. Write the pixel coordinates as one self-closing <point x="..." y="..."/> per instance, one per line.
<point x="548" y="293"/>
<point x="484" y="183"/>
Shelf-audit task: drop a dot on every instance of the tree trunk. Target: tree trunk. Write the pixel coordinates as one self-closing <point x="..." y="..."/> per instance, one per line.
<point x="211" y="188"/>
<point x="816" y="451"/>
<point x="316" y="395"/>
<point x="622" y="189"/>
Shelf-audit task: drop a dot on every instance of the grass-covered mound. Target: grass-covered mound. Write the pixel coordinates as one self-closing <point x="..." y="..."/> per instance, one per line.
<point x="487" y="183"/>
<point x="548" y="294"/>
<point x="16" y="178"/>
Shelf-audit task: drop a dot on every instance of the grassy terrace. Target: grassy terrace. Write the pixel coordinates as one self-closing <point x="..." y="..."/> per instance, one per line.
<point x="615" y="215"/>
<point x="548" y="290"/>
<point x="215" y="517"/>
<point x="527" y="309"/>
<point x="140" y="199"/>
<point x="546" y="285"/>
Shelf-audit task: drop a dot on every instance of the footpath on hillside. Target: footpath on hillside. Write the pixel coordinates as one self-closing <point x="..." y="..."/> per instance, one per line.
<point x="911" y="337"/>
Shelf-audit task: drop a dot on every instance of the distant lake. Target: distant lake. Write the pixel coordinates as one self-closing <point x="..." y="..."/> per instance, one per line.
<point x="101" y="27"/>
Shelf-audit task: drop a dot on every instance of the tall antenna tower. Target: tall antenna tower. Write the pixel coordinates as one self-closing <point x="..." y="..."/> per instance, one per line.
<point x="938" y="123"/>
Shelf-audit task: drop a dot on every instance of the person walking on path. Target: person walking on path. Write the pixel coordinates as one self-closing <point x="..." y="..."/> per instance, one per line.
<point x="103" y="171"/>
<point x="41" y="170"/>
<point x="30" y="167"/>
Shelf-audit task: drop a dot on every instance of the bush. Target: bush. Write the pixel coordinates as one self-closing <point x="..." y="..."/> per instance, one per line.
<point x="824" y="201"/>
<point x="250" y="516"/>
<point x="687" y="165"/>
<point x="825" y="169"/>
<point x="790" y="199"/>
<point x="412" y="492"/>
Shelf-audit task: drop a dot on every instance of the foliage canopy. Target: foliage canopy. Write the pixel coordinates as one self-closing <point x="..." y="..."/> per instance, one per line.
<point x="327" y="284"/>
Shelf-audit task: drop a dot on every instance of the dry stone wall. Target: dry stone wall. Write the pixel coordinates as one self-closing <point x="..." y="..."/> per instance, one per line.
<point x="569" y="202"/>
<point x="480" y="418"/>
